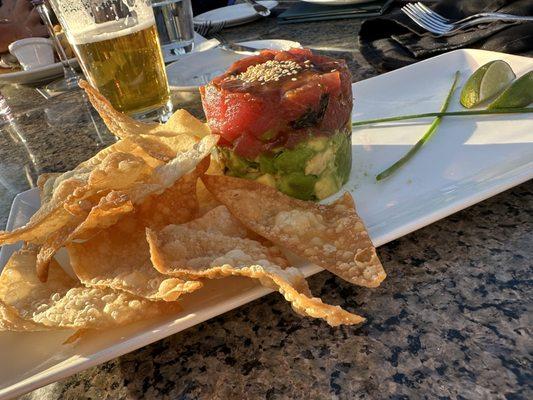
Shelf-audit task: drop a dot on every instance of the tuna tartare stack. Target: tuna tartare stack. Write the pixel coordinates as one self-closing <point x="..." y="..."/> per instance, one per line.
<point x="284" y="118"/>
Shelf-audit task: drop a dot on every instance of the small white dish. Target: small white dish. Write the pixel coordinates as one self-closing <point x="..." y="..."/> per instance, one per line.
<point x="37" y="75"/>
<point x="198" y="68"/>
<point x="33" y="52"/>
<point x="236" y="14"/>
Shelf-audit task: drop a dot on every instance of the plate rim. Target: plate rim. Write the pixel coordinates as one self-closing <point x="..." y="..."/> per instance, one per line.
<point x="519" y="175"/>
<point x="194" y="89"/>
<point x="13" y="77"/>
<point x="239" y="20"/>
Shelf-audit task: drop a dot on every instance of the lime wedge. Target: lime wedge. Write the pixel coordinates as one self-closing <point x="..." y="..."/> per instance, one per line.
<point x="486" y="82"/>
<point x="519" y="94"/>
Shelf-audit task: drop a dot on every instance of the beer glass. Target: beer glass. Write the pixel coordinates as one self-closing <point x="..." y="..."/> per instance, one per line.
<point x="118" y="49"/>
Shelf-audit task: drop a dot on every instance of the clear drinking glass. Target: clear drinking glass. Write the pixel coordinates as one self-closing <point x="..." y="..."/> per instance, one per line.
<point x="118" y="49"/>
<point x="18" y="166"/>
<point x="70" y="76"/>
<point x="175" y="27"/>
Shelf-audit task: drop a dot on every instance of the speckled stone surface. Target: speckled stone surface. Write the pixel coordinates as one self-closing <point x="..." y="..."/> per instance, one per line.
<point x="451" y="321"/>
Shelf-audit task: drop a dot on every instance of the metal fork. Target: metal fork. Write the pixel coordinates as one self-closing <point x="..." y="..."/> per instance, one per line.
<point x="441" y="26"/>
<point x="206" y="28"/>
<point x="424" y="9"/>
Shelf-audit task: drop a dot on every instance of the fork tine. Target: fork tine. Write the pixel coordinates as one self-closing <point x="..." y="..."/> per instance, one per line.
<point x="422" y="22"/>
<point x="429" y="11"/>
<point x="217" y="27"/>
<point x="206" y="27"/>
<point x="423" y="15"/>
<point x="209" y="27"/>
<point x="406" y="10"/>
<point x="415" y="7"/>
<point x="434" y="23"/>
<point x="437" y="27"/>
<point x="430" y="19"/>
<point x="200" y="28"/>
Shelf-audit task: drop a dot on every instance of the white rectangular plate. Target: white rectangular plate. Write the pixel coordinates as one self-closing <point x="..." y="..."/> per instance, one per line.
<point x="468" y="160"/>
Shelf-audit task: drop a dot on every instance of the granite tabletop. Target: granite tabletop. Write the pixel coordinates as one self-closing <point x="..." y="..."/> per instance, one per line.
<point x="451" y="321"/>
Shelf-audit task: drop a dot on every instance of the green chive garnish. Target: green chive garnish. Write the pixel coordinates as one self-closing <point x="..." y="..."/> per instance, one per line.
<point x="445" y="114"/>
<point x="432" y="128"/>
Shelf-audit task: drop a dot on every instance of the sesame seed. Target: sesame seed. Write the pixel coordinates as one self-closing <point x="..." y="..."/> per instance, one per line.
<point x="269" y="71"/>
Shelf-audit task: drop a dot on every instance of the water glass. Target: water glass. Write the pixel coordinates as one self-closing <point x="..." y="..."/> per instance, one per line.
<point x="174" y="27"/>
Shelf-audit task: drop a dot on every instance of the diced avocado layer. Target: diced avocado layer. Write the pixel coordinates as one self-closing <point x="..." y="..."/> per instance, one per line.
<point x="313" y="170"/>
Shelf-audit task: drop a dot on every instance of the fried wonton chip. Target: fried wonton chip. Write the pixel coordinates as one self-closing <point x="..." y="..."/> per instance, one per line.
<point x="206" y="201"/>
<point x="11" y="321"/>
<point x="58" y="189"/>
<point x="167" y="174"/>
<point x="117" y="175"/>
<point x="45" y="191"/>
<point x="77" y="219"/>
<point x="131" y="156"/>
<point x="63" y="302"/>
<point x="331" y="236"/>
<point x="94" y="192"/>
<point x="163" y="148"/>
<point x="211" y="249"/>
<point x="124" y="146"/>
<point x="110" y="209"/>
<point x="119" y="257"/>
<point x="121" y="125"/>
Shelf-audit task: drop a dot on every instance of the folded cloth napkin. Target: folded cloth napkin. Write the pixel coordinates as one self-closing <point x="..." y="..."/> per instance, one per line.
<point x="305" y="12"/>
<point x="394" y="41"/>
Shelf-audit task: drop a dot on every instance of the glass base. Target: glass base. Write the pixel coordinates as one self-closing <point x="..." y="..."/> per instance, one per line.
<point x="61" y="85"/>
<point x="161" y="114"/>
<point x="173" y="51"/>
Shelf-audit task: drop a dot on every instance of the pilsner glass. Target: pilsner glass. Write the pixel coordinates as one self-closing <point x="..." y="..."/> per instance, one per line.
<point x="118" y="49"/>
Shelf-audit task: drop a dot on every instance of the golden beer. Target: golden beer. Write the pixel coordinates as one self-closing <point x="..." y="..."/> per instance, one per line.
<point x="126" y="66"/>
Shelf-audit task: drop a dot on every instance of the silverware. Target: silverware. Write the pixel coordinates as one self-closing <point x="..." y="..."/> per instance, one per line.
<point x="206" y="28"/>
<point x="238" y="48"/>
<point x="441" y="26"/>
<point x="234" y="47"/>
<point x="259" y="8"/>
<point x="424" y="9"/>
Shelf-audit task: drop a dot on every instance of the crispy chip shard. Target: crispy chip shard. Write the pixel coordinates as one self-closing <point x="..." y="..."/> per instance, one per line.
<point x="119" y="257"/>
<point x="63" y="302"/>
<point x="45" y="184"/>
<point x="57" y="194"/>
<point x="165" y="175"/>
<point x="109" y="210"/>
<point x="101" y="191"/>
<point x="331" y="236"/>
<point x="11" y="321"/>
<point x="206" y="201"/>
<point x="130" y="162"/>
<point x="203" y="249"/>
<point x="121" y="125"/>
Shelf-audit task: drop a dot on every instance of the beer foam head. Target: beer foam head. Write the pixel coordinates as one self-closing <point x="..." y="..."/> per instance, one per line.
<point x="106" y="31"/>
<point x="87" y="21"/>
